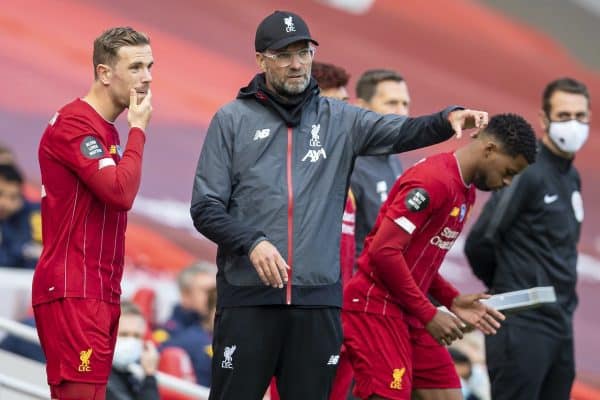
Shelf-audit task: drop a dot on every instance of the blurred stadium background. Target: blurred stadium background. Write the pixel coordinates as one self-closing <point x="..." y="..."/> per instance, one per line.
<point x="495" y="55"/>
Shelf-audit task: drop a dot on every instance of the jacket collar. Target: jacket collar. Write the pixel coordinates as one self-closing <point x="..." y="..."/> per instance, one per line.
<point x="561" y="163"/>
<point x="288" y="108"/>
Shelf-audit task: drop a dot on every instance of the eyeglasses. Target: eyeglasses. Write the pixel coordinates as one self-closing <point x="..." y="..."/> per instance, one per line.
<point x="285" y="58"/>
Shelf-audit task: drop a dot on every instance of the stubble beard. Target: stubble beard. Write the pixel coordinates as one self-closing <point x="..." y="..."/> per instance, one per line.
<point x="287" y="89"/>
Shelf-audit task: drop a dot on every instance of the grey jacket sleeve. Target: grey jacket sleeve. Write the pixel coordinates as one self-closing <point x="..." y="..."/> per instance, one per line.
<point x="497" y="216"/>
<point x="213" y="185"/>
<point x="376" y="134"/>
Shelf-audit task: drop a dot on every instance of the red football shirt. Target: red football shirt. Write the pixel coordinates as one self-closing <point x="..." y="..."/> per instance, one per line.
<point x="418" y="224"/>
<point x="88" y="184"/>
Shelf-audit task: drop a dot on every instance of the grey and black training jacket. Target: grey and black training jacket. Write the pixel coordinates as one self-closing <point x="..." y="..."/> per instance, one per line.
<point x="258" y="178"/>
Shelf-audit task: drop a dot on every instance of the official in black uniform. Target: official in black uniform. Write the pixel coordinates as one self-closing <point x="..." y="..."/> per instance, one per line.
<point x="527" y="236"/>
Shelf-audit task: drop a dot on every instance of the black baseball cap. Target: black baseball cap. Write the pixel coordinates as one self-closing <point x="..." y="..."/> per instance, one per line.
<point x="280" y="29"/>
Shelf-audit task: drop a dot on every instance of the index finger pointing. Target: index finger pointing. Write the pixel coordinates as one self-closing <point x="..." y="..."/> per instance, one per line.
<point x="132" y="98"/>
<point x="148" y="97"/>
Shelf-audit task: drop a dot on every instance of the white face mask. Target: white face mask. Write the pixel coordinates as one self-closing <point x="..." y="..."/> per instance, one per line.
<point x="569" y="136"/>
<point x="127" y="351"/>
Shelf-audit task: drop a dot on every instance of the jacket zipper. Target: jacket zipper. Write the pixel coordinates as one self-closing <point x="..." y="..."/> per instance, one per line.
<point x="288" y="290"/>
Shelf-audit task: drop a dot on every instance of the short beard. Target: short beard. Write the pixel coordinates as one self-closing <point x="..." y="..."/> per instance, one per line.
<point x="285" y="89"/>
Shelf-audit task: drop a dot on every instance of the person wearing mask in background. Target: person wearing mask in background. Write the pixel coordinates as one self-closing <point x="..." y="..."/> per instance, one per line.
<point x="20" y="222"/>
<point x="269" y="189"/>
<point x="527" y="236"/>
<point x="385" y="92"/>
<point x="131" y="348"/>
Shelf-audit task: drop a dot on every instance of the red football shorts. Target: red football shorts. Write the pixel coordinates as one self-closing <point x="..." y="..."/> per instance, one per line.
<point x="390" y="359"/>
<point x="343" y="377"/>
<point x="379" y="351"/>
<point x="433" y="367"/>
<point x="78" y="339"/>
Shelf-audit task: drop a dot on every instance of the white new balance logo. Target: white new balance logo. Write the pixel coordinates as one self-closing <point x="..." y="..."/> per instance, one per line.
<point x="227" y="363"/>
<point x="333" y="360"/>
<point x="262" y="134"/>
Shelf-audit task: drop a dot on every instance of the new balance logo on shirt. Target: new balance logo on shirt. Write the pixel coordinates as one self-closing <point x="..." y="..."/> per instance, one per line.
<point x="333" y="360"/>
<point x="262" y="134"/>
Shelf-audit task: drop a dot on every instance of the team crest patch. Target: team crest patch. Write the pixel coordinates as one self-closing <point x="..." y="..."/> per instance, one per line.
<point x="84" y="356"/>
<point x="397" y="376"/>
<point x="417" y="200"/>
<point x="90" y="148"/>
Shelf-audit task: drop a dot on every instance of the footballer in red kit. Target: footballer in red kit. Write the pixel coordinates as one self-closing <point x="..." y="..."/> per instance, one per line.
<point x="393" y="334"/>
<point x="89" y="183"/>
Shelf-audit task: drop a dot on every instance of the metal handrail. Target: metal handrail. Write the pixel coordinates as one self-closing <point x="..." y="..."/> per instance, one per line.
<point x="165" y="380"/>
<point x="21" y="386"/>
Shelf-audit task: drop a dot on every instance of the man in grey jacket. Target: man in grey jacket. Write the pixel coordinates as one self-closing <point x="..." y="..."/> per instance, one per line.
<point x="270" y="188"/>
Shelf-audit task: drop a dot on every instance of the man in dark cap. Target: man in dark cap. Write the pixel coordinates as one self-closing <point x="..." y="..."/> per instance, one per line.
<point x="269" y="189"/>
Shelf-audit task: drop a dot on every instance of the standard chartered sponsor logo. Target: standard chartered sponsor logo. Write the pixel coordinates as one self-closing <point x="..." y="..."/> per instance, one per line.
<point x="445" y="239"/>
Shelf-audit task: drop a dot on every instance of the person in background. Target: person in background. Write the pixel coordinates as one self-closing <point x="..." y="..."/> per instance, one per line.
<point x="473" y="346"/>
<point x="527" y="236"/>
<point x="332" y="81"/>
<point x="195" y="284"/>
<point x="385" y="92"/>
<point x="6" y="155"/>
<point x="464" y="370"/>
<point x="132" y="348"/>
<point x="196" y="340"/>
<point x="20" y="222"/>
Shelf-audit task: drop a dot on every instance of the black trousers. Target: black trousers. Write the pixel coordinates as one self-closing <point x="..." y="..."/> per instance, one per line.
<point x="525" y="364"/>
<point x="299" y="346"/>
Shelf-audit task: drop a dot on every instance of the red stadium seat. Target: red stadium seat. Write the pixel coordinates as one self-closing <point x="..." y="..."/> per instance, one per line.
<point x="581" y="391"/>
<point x="175" y="361"/>
<point x="145" y="299"/>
